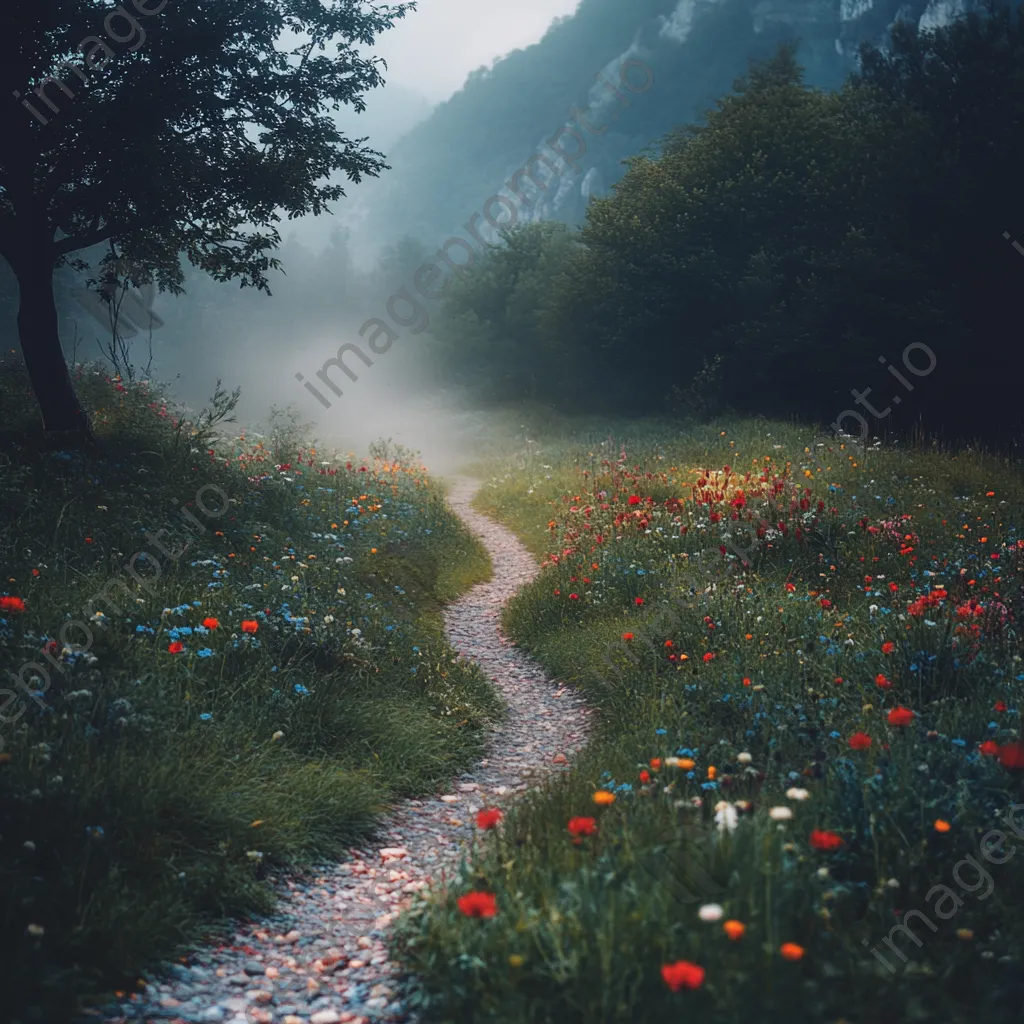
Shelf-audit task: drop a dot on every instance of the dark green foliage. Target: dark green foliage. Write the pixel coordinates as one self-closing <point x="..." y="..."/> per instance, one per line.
<point x="206" y="126"/>
<point x="772" y="258"/>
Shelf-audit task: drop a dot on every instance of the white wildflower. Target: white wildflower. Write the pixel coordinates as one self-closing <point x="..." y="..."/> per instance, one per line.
<point x="726" y="817"/>
<point x="711" y="912"/>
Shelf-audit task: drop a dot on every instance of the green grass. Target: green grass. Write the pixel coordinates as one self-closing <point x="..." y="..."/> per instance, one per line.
<point x="583" y="930"/>
<point x="146" y="795"/>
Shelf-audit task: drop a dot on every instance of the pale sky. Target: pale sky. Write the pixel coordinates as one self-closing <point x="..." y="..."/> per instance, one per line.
<point x="434" y="47"/>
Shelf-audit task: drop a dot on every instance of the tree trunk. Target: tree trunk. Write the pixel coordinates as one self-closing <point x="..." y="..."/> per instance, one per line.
<point x="40" y="346"/>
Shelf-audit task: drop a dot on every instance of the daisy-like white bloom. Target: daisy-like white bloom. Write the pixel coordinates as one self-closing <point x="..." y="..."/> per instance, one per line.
<point x="711" y="912"/>
<point x="797" y="794"/>
<point x="780" y="813"/>
<point x="726" y="816"/>
<point x="744" y="758"/>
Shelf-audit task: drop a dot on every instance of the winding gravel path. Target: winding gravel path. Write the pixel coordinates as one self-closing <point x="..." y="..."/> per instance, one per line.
<point x="321" y="958"/>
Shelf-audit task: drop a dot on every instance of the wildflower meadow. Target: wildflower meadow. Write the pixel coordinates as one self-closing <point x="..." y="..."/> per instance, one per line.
<point x="210" y="719"/>
<point x="804" y="795"/>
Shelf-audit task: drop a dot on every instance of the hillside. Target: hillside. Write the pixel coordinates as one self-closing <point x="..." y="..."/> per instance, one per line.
<point x="447" y="166"/>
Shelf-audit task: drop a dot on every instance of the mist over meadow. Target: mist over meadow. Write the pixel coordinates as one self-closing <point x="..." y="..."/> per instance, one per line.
<point x="531" y="140"/>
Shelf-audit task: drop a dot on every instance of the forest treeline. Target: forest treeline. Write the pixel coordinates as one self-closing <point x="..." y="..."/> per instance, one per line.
<point x="800" y="253"/>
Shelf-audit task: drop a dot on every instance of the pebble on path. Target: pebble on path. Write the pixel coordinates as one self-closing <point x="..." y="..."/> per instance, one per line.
<point x="322" y="957"/>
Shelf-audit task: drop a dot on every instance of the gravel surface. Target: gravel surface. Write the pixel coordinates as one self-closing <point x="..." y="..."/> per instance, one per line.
<point x="322" y="957"/>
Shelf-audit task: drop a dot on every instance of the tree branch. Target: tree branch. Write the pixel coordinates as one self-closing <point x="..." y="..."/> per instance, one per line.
<point x="85" y="241"/>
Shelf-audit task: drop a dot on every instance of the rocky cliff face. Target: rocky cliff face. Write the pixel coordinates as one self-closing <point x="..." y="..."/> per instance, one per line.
<point x="449" y="166"/>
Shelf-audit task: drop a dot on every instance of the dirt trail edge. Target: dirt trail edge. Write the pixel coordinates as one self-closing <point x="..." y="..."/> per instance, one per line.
<point x="321" y="958"/>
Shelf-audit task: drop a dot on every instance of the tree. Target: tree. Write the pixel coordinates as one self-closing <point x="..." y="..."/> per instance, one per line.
<point x="758" y="256"/>
<point x="492" y="329"/>
<point x="159" y="130"/>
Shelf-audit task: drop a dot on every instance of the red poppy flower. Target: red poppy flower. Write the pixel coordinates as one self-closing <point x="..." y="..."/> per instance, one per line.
<point x="859" y="741"/>
<point x="682" y="974"/>
<point x="888" y="647"/>
<point x="478" y="904"/>
<point x="901" y="716"/>
<point x="645" y="776"/>
<point x="627" y="636"/>
<point x="250" y="625"/>
<point x="634" y="499"/>
<point x="709" y="656"/>
<point x="825" y="603"/>
<point x="882" y="682"/>
<point x="582" y="826"/>
<point x="823" y="840"/>
<point x="999" y="706"/>
<point x="488" y="817"/>
<point x="210" y="623"/>
<point x="175" y="647"/>
<point x="1011" y="756"/>
<point x="989" y="748"/>
<point x="790" y="587"/>
<point x="638" y="601"/>
<point x="11" y="604"/>
<point x="574" y="597"/>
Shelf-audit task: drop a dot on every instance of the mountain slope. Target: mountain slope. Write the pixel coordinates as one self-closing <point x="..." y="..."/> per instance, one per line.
<point x="448" y="166"/>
